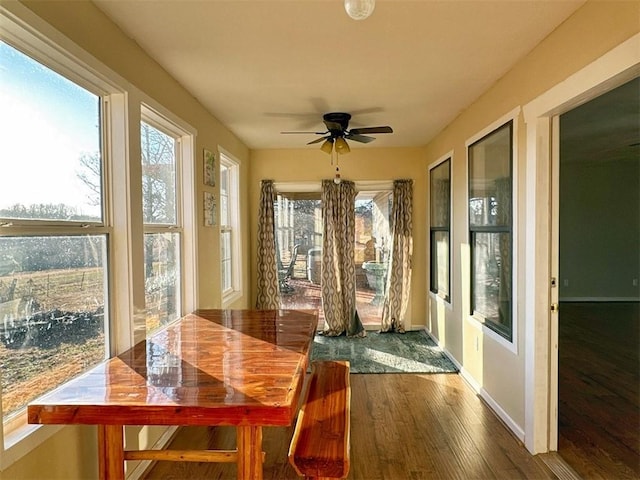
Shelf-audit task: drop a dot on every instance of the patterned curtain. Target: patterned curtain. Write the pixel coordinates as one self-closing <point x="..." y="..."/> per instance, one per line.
<point x="338" y="286"/>
<point x="399" y="269"/>
<point x="268" y="293"/>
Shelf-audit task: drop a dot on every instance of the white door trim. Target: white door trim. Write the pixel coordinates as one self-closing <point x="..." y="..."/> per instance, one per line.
<point x="614" y="68"/>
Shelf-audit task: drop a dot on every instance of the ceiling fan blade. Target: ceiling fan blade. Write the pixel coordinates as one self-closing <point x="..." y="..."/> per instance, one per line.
<point x="332" y="125"/>
<point x="318" y="140"/>
<point x="359" y="138"/>
<point x="306" y="133"/>
<point x="385" y="129"/>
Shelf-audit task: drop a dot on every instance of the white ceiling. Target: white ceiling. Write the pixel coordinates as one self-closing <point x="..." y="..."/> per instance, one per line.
<point x="266" y="66"/>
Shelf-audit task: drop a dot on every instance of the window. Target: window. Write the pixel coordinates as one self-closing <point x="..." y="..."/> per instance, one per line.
<point x="299" y="229"/>
<point x="490" y="229"/>
<point x="162" y="229"/>
<point x="440" y="224"/>
<point x="229" y="229"/>
<point x="71" y="260"/>
<point x="55" y="237"/>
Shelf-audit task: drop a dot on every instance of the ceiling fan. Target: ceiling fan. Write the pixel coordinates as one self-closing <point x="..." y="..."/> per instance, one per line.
<point x="337" y="133"/>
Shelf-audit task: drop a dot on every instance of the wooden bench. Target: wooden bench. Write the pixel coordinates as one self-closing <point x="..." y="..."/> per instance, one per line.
<point x="320" y="444"/>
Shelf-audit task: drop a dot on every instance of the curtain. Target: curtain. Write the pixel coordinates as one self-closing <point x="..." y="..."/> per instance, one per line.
<point x="268" y="297"/>
<point x="338" y="286"/>
<point x="399" y="268"/>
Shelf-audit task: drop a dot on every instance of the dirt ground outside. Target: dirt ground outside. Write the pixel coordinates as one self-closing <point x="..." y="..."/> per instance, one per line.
<point x="68" y="336"/>
<point x="29" y="372"/>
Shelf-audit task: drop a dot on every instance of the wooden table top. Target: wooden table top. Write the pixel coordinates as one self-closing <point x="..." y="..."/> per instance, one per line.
<point x="211" y="367"/>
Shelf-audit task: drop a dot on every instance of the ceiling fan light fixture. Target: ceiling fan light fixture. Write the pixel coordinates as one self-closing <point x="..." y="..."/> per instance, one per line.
<point x="342" y="147"/>
<point x="359" y="9"/>
<point x="327" y="146"/>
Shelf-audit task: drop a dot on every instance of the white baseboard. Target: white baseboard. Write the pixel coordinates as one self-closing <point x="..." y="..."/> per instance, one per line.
<point x="476" y="387"/>
<point x="508" y="421"/>
<point x="467" y="377"/>
<point x="143" y="465"/>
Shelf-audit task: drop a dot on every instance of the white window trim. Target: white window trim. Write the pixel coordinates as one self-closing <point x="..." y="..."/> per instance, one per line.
<point x="512" y="345"/>
<point x="184" y="134"/>
<point x="235" y="292"/>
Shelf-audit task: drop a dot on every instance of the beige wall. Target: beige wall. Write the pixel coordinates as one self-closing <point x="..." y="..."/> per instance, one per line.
<point x="592" y="31"/>
<point x="362" y="164"/>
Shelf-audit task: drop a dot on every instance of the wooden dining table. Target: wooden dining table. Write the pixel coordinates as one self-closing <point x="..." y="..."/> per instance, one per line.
<point x="242" y="368"/>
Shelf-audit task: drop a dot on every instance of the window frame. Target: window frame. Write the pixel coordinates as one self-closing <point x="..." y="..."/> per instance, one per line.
<point x="122" y="208"/>
<point x="230" y="295"/>
<point x="446" y="296"/>
<point x="510" y="340"/>
<point x="163" y="125"/>
<point x="17" y="438"/>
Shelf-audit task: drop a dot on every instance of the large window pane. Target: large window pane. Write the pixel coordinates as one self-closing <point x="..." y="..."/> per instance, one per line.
<point x="490" y="179"/>
<point x="298" y="222"/>
<point x="440" y="263"/>
<point x="158" y="176"/>
<point x="162" y="278"/>
<point x="52" y="322"/>
<point x="51" y="162"/>
<point x="492" y="278"/>
<point x="225" y="259"/>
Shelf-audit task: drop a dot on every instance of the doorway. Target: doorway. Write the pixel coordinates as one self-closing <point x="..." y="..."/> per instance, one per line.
<point x="597" y="208"/>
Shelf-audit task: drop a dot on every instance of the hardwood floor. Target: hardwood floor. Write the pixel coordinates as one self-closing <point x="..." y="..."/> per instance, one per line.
<point x="599" y="389"/>
<point x="404" y="426"/>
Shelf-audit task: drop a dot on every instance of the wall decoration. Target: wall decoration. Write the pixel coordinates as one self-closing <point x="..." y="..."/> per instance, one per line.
<point x="209" y="209"/>
<point x="209" y="168"/>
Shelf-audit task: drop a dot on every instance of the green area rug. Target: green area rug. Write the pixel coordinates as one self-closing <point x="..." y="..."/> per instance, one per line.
<point x="410" y="352"/>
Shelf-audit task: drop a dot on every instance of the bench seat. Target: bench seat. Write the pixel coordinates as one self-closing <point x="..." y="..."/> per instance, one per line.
<point x="320" y="445"/>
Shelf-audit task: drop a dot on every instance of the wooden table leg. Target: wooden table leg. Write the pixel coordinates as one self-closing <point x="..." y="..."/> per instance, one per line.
<point x="110" y="452"/>
<point x="249" y="442"/>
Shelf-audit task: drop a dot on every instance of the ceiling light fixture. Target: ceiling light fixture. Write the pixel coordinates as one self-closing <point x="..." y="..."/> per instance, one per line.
<point x="342" y="147"/>
<point x="327" y="146"/>
<point x="359" y="9"/>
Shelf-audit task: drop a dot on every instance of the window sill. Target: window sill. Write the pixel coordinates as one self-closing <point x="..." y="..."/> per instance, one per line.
<point x="440" y="298"/>
<point x="492" y="334"/>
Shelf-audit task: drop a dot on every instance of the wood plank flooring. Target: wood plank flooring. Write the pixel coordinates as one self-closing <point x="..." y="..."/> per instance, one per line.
<point x="404" y="426"/>
<point x="599" y="389"/>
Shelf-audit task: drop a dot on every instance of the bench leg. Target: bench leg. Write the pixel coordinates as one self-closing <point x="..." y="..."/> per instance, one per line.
<point x="110" y="452"/>
<point x="249" y="443"/>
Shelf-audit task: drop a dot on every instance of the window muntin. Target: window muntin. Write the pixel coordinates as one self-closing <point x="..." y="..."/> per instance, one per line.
<point x="162" y="248"/>
<point x="440" y="225"/>
<point x="229" y="228"/>
<point x="53" y="274"/>
<point x="490" y="229"/>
